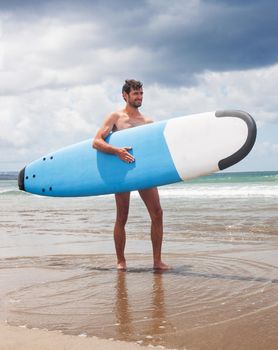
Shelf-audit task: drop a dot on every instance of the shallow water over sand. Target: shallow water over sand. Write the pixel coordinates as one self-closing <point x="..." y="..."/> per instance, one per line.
<point x="209" y="298"/>
<point x="57" y="270"/>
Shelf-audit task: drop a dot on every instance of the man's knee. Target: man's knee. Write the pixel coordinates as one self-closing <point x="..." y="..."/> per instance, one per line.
<point x="122" y="218"/>
<point x="156" y="214"/>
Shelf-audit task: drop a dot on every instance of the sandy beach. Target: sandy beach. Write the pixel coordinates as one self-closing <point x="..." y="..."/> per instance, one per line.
<point x="15" y="338"/>
<point x="60" y="288"/>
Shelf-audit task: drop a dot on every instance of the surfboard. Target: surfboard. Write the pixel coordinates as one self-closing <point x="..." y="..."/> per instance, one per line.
<point x="165" y="152"/>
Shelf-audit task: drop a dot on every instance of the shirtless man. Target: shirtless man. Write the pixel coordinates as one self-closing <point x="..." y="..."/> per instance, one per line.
<point x="130" y="117"/>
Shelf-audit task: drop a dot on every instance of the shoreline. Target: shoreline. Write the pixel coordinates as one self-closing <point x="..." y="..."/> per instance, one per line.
<point x="58" y="270"/>
<point x="22" y="338"/>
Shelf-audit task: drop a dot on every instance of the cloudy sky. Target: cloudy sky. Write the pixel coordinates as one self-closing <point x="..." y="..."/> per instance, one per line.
<point x="63" y="63"/>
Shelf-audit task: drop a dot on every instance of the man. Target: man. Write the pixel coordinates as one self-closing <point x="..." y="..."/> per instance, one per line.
<point x="130" y="117"/>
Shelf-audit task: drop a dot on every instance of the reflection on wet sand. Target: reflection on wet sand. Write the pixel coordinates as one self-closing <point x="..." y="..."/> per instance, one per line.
<point x="122" y="309"/>
<point x="158" y="324"/>
<point x="151" y="327"/>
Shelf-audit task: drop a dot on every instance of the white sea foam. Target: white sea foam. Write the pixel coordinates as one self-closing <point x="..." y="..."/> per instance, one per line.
<point x="220" y="191"/>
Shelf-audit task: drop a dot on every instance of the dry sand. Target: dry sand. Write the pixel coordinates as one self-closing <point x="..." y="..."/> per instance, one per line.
<point x="16" y="338"/>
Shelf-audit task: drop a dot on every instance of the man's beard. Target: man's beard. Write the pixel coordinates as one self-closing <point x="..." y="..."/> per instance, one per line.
<point x="136" y="104"/>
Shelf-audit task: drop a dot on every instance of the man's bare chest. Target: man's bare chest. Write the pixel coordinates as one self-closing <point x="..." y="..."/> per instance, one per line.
<point x="127" y="122"/>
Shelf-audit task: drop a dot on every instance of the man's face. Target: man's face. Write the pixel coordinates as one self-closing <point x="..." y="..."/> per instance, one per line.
<point x="135" y="98"/>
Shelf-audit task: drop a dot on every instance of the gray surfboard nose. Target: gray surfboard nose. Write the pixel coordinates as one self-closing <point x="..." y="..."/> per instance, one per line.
<point x="20" y="179"/>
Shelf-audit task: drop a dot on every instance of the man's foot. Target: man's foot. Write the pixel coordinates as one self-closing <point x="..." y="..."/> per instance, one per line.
<point x="121" y="265"/>
<point x="161" y="266"/>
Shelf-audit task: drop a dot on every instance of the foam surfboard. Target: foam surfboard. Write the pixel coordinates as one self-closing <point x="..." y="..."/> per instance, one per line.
<point x="165" y="152"/>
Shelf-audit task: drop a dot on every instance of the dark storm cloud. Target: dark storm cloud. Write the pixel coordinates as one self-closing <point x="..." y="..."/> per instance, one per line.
<point x="183" y="38"/>
<point x="210" y="35"/>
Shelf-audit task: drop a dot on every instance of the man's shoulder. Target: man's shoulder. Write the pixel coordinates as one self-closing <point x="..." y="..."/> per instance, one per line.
<point x="114" y="116"/>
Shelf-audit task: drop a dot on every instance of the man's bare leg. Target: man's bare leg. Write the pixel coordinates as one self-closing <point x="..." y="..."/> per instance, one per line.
<point x="122" y="203"/>
<point x="152" y="202"/>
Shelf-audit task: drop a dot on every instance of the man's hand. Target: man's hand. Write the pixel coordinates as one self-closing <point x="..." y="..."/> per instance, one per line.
<point x="124" y="155"/>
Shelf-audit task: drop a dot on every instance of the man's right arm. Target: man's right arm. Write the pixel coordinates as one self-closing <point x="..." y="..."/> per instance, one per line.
<point x="100" y="144"/>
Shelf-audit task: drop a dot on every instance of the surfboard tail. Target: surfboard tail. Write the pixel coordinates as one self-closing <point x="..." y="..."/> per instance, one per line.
<point x="250" y="140"/>
<point x="208" y="142"/>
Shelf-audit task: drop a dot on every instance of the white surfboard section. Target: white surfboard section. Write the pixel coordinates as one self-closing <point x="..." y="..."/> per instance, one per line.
<point x="198" y="142"/>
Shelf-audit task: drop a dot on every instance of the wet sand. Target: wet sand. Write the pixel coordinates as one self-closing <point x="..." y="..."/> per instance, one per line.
<point x="211" y="299"/>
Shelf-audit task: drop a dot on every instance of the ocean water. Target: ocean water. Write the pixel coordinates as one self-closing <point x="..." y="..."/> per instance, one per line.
<point x="224" y="206"/>
<point x="220" y="236"/>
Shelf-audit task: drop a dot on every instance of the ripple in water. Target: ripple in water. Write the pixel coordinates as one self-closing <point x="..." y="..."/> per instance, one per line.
<point x="177" y="308"/>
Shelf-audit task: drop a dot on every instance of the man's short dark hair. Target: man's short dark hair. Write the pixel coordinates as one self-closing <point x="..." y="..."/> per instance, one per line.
<point x="131" y="84"/>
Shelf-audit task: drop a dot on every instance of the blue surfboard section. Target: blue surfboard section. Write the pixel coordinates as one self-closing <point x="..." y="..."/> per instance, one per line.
<point x="80" y="170"/>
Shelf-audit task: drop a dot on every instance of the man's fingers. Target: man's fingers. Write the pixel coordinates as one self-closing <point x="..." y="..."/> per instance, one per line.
<point x="124" y="155"/>
<point x="128" y="157"/>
